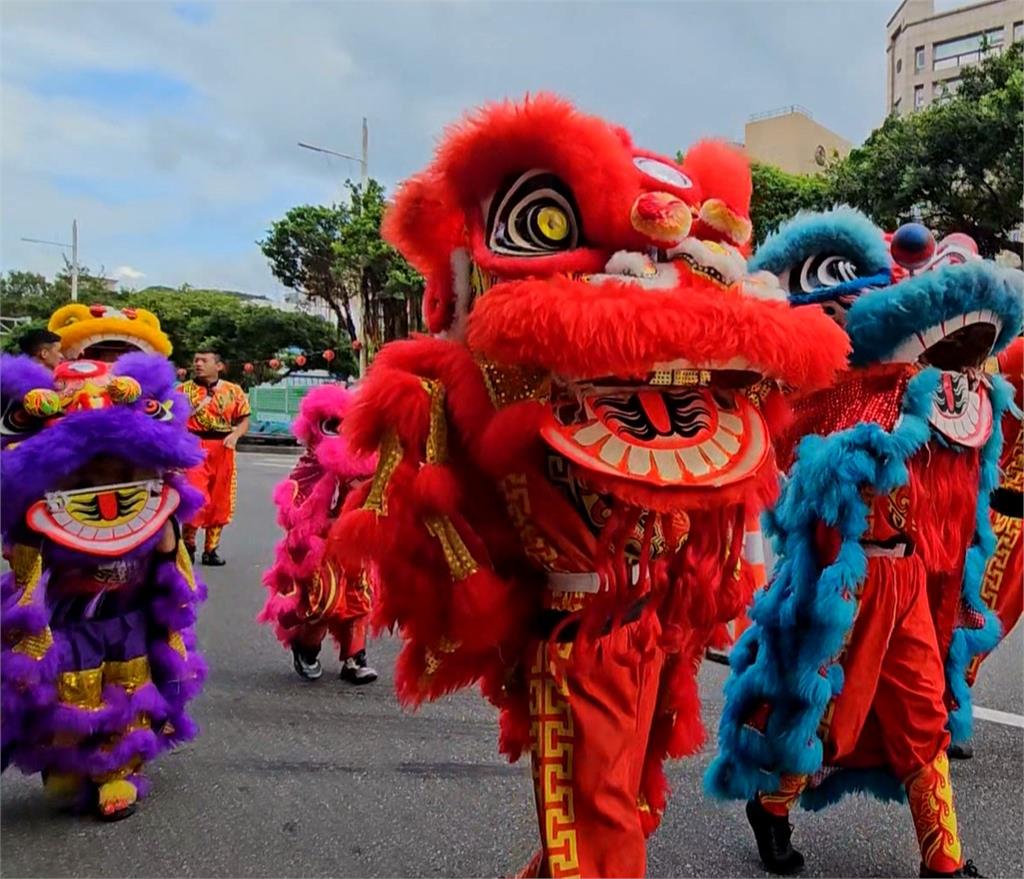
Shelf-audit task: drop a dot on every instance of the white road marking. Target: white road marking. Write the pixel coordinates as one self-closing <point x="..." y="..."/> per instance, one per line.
<point x="1003" y="717"/>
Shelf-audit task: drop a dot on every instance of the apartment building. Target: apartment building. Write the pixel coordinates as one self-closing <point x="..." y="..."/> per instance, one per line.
<point x="927" y="50"/>
<point x="792" y="140"/>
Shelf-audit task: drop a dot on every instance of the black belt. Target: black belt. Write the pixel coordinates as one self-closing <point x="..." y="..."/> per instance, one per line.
<point x="893" y="548"/>
<point x="549" y="620"/>
<point x="212" y="434"/>
<point x="1007" y="502"/>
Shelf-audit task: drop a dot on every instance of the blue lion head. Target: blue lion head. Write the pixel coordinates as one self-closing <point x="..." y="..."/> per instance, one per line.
<point x="952" y="311"/>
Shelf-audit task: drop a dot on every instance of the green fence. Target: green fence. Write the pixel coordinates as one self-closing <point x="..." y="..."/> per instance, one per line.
<point x="274" y="407"/>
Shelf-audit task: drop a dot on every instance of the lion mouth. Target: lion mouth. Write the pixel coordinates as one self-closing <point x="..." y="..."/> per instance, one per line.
<point x="104" y="520"/>
<point x="960" y="342"/>
<point x="108" y="347"/>
<point x="682" y="427"/>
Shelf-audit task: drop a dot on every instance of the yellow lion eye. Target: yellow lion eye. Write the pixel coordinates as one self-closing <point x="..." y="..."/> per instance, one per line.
<point x="553" y="223"/>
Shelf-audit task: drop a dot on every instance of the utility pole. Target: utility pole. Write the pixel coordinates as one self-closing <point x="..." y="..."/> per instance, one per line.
<point x="364" y="179"/>
<point x="74" y="255"/>
<point x="74" y="260"/>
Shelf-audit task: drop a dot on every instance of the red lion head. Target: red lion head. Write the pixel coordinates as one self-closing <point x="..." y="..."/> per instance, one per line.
<point x="551" y="243"/>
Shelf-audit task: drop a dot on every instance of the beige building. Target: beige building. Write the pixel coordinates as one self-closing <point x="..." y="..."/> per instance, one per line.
<point x="926" y="50"/>
<point x="790" y="139"/>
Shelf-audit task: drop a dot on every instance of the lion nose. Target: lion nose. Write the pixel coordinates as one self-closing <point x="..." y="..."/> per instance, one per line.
<point x="661" y="217"/>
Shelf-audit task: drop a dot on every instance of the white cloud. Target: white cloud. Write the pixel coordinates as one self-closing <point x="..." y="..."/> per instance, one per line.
<point x="127" y="274"/>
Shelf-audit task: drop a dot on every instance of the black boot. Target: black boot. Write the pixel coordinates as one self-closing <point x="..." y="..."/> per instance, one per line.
<point x="968" y="869"/>
<point x="773" y="833"/>
<point x="960" y="752"/>
<point x="212" y="560"/>
<point x="356" y="671"/>
<point x="306" y="664"/>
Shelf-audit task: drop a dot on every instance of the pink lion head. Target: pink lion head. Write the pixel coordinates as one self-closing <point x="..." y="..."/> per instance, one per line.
<point x="318" y="427"/>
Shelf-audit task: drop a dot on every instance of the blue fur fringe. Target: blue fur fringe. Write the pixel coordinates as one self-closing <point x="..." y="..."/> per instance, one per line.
<point x="800" y="623"/>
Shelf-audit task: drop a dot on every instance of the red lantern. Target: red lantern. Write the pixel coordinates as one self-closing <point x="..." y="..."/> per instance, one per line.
<point x="182" y="372"/>
<point x="328" y="355"/>
<point x="300" y="360"/>
<point x="357" y="345"/>
<point x="275" y="363"/>
<point x="249" y="368"/>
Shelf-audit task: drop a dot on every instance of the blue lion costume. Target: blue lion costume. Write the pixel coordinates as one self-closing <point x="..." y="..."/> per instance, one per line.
<point x="852" y="676"/>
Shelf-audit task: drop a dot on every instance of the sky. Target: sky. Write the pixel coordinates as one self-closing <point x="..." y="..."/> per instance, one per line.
<point x="170" y="130"/>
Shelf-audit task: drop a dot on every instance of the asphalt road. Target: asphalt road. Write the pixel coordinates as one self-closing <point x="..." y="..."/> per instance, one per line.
<point x="296" y="779"/>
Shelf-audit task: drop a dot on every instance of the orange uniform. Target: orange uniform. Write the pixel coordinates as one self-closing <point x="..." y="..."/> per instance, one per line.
<point x="216" y="410"/>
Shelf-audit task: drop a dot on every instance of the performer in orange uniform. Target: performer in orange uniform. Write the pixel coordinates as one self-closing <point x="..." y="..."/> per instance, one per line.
<point x="220" y="417"/>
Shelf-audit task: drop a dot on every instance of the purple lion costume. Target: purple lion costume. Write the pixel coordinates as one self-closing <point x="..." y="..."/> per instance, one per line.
<point x="98" y="610"/>
<point x="307" y="596"/>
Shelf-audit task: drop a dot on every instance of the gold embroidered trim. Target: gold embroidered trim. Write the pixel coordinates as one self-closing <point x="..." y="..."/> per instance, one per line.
<point x="389" y="459"/>
<point x="513" y="384"/>
<point x="177" y="644"/>
<point x="27" y="564"/>
<point x="35" y="646"/>
<point x="83" y="689"/>
<point x="460" y="562"/>
<point x="185" y="565"/>
<point x="437" y="436"/>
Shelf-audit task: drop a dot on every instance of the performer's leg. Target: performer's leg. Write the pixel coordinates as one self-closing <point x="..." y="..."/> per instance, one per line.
<point x="589" y="729"/>
<point x="212" y="541"/>
<point x="349" y="631"/>
<point x="306" y="651"/>
<point x="222" y="499"/>
<point x="862" y="660"/>
<point x="911" y="710"/>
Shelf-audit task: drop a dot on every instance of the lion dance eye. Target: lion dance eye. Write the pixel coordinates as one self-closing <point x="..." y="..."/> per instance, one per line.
<point x="15" y="421"/>
<point x="821" y="271"/>
<point x="535" y="215"/>
<point x="330" y="426"/>
<point x="156" y="409"/>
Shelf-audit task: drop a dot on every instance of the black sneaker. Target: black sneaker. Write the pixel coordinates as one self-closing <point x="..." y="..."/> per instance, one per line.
<point x="772" y="833"/>
<point x="356" y="671"/>
<point x="968" y="870"/>
<point x="306" y="666"/>
<point x="212" y="560"/>
<point x="960" y="752"/>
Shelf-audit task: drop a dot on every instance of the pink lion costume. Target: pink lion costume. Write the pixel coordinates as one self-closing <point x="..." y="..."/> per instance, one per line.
<point x="309" y="596"/>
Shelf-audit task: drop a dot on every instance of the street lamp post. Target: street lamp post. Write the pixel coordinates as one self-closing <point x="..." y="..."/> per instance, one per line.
<point x="364" y="178"/>
<point x="74" y="255"/>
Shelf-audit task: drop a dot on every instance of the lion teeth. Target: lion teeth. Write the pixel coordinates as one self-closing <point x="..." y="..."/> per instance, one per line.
<point x="667" y="464"/>
<point x="639" y="461"/>
<point x="612" y="451"/>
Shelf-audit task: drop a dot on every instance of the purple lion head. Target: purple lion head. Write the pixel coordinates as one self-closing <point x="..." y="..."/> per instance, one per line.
<point x="93" y="452"/>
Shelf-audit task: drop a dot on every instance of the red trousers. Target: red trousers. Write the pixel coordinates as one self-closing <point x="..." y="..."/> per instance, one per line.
<point x="590" y="723"/>
<point x="891" y="709"/>
<point x="216" y="478"/>
<point x="345" y="618"/>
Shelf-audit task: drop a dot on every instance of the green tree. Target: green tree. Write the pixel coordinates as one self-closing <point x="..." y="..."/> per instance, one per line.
<point x="390" y="290"/>
<point x="957" y="163"/>
<point x="193" y="319"/>
<point x="336" y="255"/>
<point x="300" y="249"/>
<point x="778" y="195"/>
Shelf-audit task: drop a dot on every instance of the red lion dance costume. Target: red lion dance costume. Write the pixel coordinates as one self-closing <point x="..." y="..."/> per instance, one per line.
<point x="309" y="596"/>
<point x="564" y="472"/>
